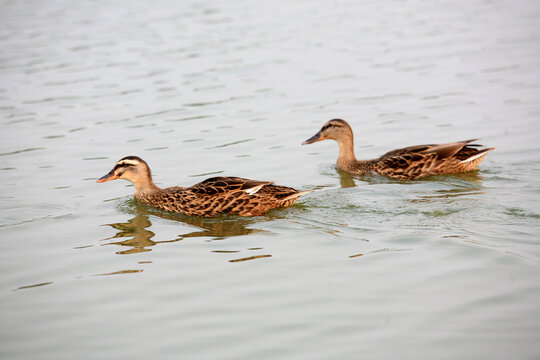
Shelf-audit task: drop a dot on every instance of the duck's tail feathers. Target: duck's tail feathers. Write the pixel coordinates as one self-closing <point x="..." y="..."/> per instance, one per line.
<point x="481" y="153"/>
<point x="296" y="195"/>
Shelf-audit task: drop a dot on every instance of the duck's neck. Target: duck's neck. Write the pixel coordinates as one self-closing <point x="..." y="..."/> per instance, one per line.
<point x="145" y="185"/>
<point x="347" y="160"/>
<point x="346" y="153"/>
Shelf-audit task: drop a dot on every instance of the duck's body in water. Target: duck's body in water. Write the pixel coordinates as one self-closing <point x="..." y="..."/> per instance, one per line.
<point x="211" y="197"/>
<point x="407" y="163"/>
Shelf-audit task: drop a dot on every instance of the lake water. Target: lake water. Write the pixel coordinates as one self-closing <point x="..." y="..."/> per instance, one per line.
<point x="365" y="267"/>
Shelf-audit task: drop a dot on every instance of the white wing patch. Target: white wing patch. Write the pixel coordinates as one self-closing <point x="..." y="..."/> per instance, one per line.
<point x="254" y="189"/>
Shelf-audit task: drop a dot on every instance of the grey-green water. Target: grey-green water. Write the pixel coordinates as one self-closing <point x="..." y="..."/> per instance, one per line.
<point x="442" y="268"/>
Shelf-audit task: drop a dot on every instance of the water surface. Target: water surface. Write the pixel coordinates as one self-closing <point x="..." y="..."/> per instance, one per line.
<point x="445" y="267"/>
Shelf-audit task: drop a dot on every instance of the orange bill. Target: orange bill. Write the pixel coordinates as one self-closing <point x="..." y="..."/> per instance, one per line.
<point x="109" y="176"/>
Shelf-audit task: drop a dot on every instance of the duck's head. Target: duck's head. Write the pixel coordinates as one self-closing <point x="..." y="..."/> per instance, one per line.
<point x="335" y="129"/>
<point x="131" y="168"/>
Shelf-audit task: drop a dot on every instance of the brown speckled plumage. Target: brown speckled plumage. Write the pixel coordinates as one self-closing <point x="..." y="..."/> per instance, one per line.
<point x="214" y="196"/>
<point x="407" y="163"/>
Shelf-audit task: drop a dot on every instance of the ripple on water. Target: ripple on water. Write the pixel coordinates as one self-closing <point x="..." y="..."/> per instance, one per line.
<point x="231" y="143"/>
<point x="34" y="285"/>
<point x="521" y="213"/>
<point x="22" y="151"/>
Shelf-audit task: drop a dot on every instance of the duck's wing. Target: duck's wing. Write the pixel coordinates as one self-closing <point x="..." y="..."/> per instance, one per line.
<point x="407" y="166"/>
<point x="408" y="150"/>
<point x="442" y="150"/>
<point x="223" y="185"/>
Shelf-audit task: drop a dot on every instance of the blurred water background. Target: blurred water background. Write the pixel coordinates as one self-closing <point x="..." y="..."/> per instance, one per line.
<point x="366" y="267"/>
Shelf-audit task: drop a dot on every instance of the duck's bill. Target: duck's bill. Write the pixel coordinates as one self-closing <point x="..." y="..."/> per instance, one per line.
<point x="108" y="177"/>
<point x="317" y="137"/>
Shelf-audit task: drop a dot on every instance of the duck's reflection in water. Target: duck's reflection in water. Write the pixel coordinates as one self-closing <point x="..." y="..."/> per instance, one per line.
<point x="140" y="238"/>
<point x="219" y="227"/>
<point x="346" y="179"/>
<point x="469" y="179"/>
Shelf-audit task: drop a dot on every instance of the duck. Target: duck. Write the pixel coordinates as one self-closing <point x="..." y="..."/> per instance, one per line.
<point x="407" y="163"/>
<point x="211" y="197"/>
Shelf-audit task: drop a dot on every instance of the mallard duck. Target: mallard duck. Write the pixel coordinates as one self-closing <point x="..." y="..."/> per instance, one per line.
<point x="407" y="163"/>
<point x="214" y="196"/>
